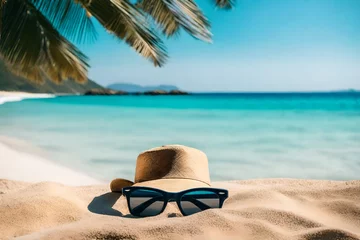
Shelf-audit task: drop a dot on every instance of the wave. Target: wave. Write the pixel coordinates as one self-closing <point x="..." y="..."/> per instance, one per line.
<point x="19" y="97"/>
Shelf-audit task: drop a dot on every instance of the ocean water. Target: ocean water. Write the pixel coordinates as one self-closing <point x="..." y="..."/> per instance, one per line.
<point x="245" y="136"/>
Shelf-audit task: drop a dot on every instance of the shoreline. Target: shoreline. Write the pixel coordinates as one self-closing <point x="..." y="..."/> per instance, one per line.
<point x="6" y="96"/>
<point x="21" y="161"/>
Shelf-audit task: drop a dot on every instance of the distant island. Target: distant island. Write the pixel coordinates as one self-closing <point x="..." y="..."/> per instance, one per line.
<point x="134" y="88"/>
<point x="110" y="92"/>
<point x="11" y="83"/>
<point x="349" y="90"/>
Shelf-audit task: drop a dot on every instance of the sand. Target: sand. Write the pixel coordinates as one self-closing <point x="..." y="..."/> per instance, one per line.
<point x="256" y="209"/>
<point x="22" y="161"/>
<point x="36" y="208"/>
<point x="18" y="96"/>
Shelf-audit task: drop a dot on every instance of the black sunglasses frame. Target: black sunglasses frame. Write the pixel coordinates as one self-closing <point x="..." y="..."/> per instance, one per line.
<point x="174" y="196"/>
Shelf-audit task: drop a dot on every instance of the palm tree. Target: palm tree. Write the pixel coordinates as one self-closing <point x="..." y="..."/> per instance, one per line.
<point x="36" y="35"/>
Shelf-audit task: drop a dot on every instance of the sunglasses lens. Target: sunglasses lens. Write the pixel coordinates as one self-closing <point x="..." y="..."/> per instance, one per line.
<point x="146" y="203"/>
<point x="197" y="201"/>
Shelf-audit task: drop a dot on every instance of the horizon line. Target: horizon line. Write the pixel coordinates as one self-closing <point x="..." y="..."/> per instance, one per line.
<point x="276" y="92"/>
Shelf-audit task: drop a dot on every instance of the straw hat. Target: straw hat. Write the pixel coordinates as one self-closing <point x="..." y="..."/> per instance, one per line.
<point x="171" y="168"/>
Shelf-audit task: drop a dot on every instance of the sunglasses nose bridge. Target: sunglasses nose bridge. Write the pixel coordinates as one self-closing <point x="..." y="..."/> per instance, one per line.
<point x="171" y="196"/>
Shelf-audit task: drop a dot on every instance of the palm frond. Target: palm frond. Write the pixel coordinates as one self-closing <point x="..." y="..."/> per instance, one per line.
<point x="126" y="22"/>
<point x="62" y="60"/>
<point x="21" y="39"/>
<point x="34" y="74"/>
<point x="225" y="4"/>
<point x="171" y="14"/>
<point x="69" y="18"/>
<point x="193" y="20"/>
<point x="34" y="49"/>
<point x="2" y="2"/>
<point x="162" y="14"/>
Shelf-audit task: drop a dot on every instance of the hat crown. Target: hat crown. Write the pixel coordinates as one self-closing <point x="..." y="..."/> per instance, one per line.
<point x="172" y="162"/>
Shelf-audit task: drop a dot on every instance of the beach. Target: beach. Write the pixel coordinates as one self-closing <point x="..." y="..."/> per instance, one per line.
<point x="179" y="120"/>
<point x="40" y="199"/>
<point x="21" y="161"/>
<point x="57" y="158"/>
<point x="256" y="209"/>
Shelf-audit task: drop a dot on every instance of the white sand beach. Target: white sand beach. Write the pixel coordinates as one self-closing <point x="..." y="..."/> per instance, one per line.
<point x="40" y="200"/>
<point x="180" y="120"/>
<point x="256" y="209"/>
<point x="21" y="161"/>
<point x="18" y="96"/>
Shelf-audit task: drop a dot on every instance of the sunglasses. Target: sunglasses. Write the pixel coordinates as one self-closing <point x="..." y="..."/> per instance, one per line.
<point x="147" y="202"/>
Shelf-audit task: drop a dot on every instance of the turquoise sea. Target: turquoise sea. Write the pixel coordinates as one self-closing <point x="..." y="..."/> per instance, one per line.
<point x="292" y="135"/>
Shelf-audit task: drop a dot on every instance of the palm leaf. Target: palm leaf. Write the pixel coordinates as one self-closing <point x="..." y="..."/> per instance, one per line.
<point x="171" y="14"/>
<point x="34" y="49"/>
<point x="126" y="22"/>
<point x="2" y="2"/>
<point x="69" y="18"/>
<point x="16" y="44"/>
<point x="62" y="60"/>
<point x="34" y="75"/>
<point x="225" y="4"/>
<point x="162" y="14"/>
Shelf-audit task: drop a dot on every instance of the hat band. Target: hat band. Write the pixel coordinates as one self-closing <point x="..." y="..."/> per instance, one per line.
<point x="175" y="178"/>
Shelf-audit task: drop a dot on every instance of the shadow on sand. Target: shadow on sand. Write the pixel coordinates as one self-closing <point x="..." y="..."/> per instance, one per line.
<point x="103" y="204"/>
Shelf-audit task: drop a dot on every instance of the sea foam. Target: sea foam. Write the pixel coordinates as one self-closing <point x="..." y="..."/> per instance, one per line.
<point x="20" y="97"/>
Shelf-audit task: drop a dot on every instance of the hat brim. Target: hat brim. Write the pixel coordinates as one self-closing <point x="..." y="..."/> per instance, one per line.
<point x="118" y="184"/>
<point x="172" y="185"/>
<point x="168" y="185"/>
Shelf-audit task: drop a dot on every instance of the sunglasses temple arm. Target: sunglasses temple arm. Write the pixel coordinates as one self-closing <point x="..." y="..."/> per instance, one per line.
<point x="139" y="209"/>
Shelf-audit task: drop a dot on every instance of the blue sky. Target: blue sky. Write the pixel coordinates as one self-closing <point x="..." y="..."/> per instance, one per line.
<point x="261" y="45"/>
